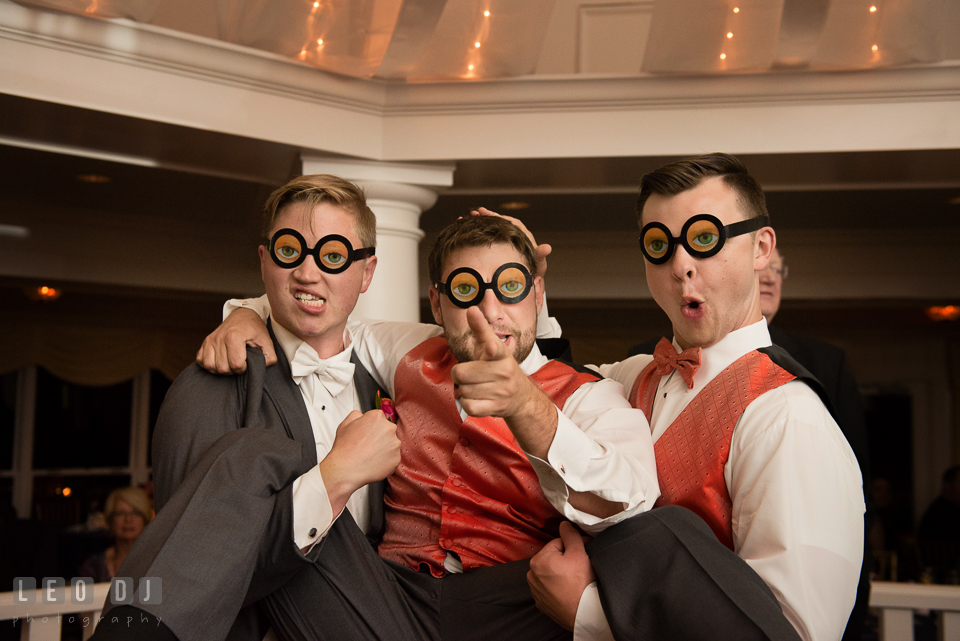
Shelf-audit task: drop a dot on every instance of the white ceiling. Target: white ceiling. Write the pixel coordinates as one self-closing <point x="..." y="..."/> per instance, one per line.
<point x="431" y="40"/>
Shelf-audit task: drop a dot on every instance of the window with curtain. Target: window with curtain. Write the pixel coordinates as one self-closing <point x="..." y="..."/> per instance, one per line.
<point x="86" y="441"/>
<point x="81" y="425"/>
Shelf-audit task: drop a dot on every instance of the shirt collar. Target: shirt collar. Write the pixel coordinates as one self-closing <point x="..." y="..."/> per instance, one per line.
<point x="290" y="343"/>
<point x="534" y="361"/>
<point x="717" y="357"/>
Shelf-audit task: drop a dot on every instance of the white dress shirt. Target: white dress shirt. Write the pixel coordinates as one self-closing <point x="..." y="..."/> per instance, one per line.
<point x="311" y="503"/>
<point x="795" y="484"/>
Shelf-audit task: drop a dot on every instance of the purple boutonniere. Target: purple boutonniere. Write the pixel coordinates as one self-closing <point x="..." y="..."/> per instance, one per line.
<point x="386" y="406"/>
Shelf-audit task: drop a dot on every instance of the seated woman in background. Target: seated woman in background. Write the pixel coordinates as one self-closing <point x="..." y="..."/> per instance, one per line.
<point x="127" y="512"/>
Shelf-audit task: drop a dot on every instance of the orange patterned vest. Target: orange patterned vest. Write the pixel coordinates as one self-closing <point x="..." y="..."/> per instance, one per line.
<point x="692" y="452"/>
<point x="463" y="486"/>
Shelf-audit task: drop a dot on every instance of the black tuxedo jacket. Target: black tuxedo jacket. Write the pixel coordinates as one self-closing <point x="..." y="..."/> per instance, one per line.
<point x="226" y="451"/>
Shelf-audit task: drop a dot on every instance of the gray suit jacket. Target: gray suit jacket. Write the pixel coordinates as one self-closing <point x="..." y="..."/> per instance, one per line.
<point x="223" y="535"/>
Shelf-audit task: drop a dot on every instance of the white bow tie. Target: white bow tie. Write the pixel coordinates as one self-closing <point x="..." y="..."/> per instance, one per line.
<point x="334" y="375"/>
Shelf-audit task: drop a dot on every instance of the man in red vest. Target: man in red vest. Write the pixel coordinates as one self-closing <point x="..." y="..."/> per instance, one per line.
<point x="741" y="436"/>
<point x="500" y="448"/>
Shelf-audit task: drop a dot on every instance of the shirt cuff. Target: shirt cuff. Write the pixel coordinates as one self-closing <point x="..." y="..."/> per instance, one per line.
<point x="591" y="623"/>
<point x="567" y="459"/>
<point x="261" y="306"/>
<point x="570" y="452"/>
<point x="312" y="514"/>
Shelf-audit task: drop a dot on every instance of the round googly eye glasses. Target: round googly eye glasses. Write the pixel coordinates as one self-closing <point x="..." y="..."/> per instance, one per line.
<point x="333" y="253"/>
<point x="702" y="236"/>
<point x="465" y="286"/>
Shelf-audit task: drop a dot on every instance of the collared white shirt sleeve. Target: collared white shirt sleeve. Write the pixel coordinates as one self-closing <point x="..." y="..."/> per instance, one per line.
<point x="798" y="507"/>
<point x="260" y="306"/>
<point x="602" y="446"/>
<point x="381" y="345"/>
<point x="624" y="372"/>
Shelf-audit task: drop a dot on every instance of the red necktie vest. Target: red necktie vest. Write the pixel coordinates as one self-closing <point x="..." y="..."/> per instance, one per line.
<point x="463" y="486"/>
<point x="693" y="451"/>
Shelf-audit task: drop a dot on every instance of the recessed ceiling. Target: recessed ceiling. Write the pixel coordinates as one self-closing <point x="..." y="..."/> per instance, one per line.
<point x="449" y="40"/>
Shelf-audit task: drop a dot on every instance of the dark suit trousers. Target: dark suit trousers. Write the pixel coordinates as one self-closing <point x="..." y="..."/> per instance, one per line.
<point x="353" y="594"/>
<point x="662" y="575"/>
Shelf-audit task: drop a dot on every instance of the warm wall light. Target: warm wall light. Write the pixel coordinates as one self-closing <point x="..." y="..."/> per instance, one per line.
<point x="729" y="34"/>
<point x="476" y="44"/>
<point x="67" y="491"/>
<point x="319" y="41"/>
<point x="874" y="48"/>
<point x="486" y="14"/>
<point x="723" y="56"/>
<point x="470" y="67"/>
<point x="316" y="5"/>
<point x="48" y="293"/>
<point x="873" y="9"/>
<point x="736" y="9"/>
<point x="943" y="312"/>
<point x="43" y="293"/>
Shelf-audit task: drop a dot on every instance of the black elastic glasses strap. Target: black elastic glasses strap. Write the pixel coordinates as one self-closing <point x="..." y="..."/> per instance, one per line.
<point x="746" y="226"/>
<point x="364" y="252"/>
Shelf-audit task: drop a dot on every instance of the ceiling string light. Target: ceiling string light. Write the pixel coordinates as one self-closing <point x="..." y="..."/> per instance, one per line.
<point x="723" y="54"/>
<point x="314" y="43"/>
<point x="473" y="54"/>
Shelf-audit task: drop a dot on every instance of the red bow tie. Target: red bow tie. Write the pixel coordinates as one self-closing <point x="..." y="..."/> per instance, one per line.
<point x="686" y="362"/>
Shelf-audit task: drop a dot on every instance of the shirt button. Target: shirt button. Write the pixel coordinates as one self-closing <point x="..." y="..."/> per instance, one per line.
<point x="313" y="532"/>
<point x="464" y="441"/>
<point x="451" y="510"/>
<point x="456" y="482"/>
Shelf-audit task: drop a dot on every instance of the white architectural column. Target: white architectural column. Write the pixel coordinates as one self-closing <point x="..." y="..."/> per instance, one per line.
<point x="397" y="193"/>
